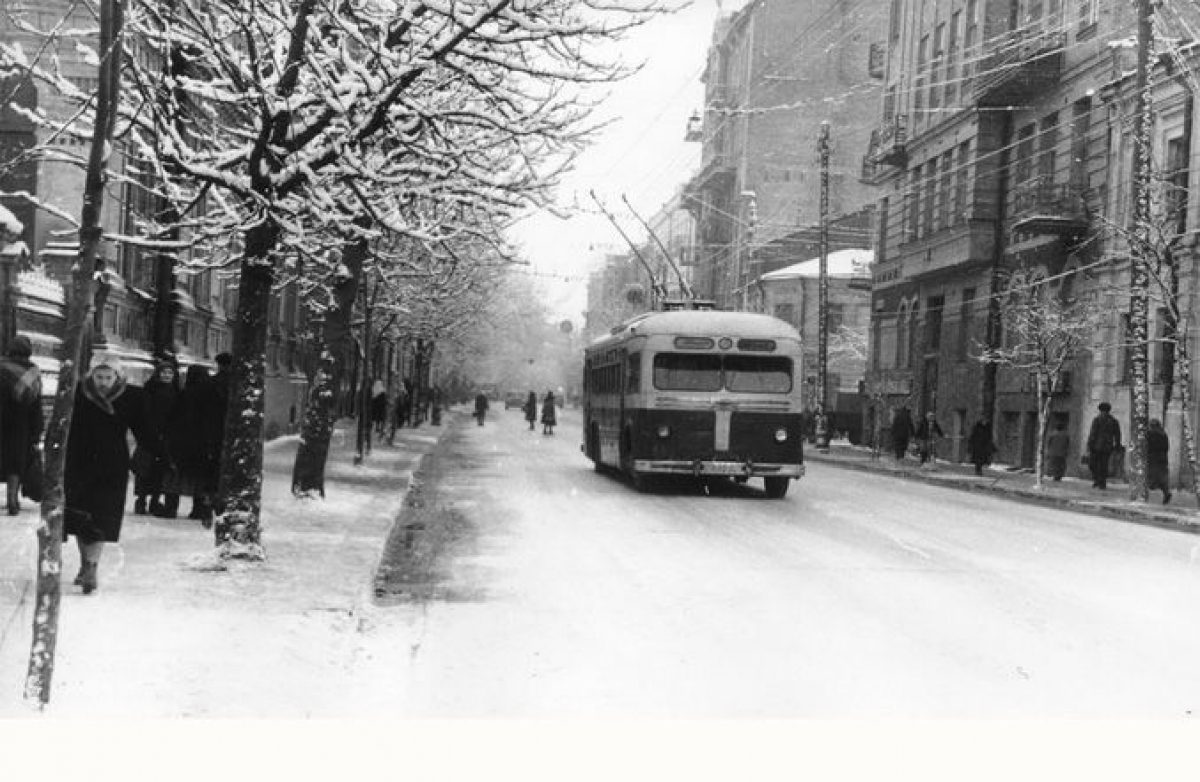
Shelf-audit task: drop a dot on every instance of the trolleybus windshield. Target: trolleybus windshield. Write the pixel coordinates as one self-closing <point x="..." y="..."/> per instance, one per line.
<point x="709" y="372"/>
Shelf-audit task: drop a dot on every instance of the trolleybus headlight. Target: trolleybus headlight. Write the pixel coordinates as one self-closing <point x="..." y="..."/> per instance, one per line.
<point x="780" y="435"/>
<point x="664" y="431"/>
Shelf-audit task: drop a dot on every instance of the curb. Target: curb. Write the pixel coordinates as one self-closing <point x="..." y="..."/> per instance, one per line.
<point x="1135" y="514"/>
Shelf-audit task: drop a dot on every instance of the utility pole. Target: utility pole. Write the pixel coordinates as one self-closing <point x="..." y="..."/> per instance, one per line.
<point x="822" y="420"/>
<point x="1139" y="275"/>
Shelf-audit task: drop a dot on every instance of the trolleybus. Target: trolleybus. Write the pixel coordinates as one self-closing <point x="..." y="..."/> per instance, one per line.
<point x="700" y="393"/>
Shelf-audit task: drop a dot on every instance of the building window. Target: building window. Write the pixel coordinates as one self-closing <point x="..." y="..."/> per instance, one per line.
<point x="946" y="190"/>
<point x="1089" y="13"/>
<point x="1081" y="114"/>
<point x="1126" y="348"/>
<point x="913" y="198"/>
<point x="1047" y="145"/>
<point x="835" y="317"/>
<point x="1164" y="355"/>
<point x="1176" y="180"/>
<point x="961" y="207"/>
<point x="882" y="240"/>
<point x="966" y="323"/>
<point x="1024" y="164"/>
<point x="933" y="324"/>
<point x="902" y="337"/>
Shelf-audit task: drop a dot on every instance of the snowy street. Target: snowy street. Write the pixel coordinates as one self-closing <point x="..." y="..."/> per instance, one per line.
<point x="560" y="591"/>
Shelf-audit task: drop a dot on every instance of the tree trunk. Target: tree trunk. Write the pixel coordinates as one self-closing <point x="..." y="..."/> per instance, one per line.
<point x="1139" y="277"/>
<point x="364" y="392"/>
<point x="238" y="524"/>
<point x="308" y="471"/>
<point x="50" y="527"/>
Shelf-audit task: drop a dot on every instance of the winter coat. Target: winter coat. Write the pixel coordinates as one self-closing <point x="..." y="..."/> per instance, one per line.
<point x="1157" y="447"/>
<point x="97" y="464"/>
<point x="21" y="420"/>
<point x="159" y="398"/>
<point x="379" y="404"/>
<point x="481" y="404"/>
<point x="193" y="432"/>
<point x="530" y="408"/>
<point x="549" y="414"/>
<point x="980" y="446"/>
<point x="1105" y="434"/>
<point x="1057" y="444"/>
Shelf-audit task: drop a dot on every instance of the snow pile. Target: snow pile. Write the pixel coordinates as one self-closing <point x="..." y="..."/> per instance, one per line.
<point x="169" y="635"/>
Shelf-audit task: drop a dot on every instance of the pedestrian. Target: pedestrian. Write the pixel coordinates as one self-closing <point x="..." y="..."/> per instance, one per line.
<point x="549" y="414"/>
<point x="153" y="463"/>
<point x="379" y="403"/>
<point x="980" y="446"/>
<point x="1057" y="445"/>
<point x="193" y="444"/>
<point x="21" y="419"/>
<point x="1104" y="437"/>
<point x="403" y="405"/>
<point x="902" y="430"/>
<point x="927" y="434"/>
<point x="1157" y="447"/>
<point x="530" y="408"/>
<point x="96" y="477"/>
<point x="481" y="407"/>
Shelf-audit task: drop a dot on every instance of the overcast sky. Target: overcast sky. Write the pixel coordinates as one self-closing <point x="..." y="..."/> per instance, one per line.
<point x="641" y="154"/>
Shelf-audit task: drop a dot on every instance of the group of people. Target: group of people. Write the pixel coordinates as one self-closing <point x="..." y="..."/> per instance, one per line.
<point x="1103" y="451"/>
<point x="178" y="431"/>
<point x="549" y="416"/>
<point x="925" y="435"/>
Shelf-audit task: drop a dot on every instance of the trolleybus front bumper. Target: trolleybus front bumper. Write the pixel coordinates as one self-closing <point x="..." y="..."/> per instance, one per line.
<point x="725" y="468"/>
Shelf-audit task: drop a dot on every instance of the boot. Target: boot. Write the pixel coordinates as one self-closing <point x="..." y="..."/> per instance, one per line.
<point x="14" y="494"/>
<point x="88" y="573"/>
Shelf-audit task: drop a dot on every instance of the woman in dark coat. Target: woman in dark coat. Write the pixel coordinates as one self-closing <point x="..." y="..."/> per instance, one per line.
<point x="20" y="416"/>
<point x="530" y="409"/>
<point x="194" y="440"/>
<point x="902" y="431"/>
<point x="1158" y="446"/>
<point x="96" y="477"/>
<point x="549" y="414"/>
<point x="160" y="393"/>
<point x="980" y="446"/>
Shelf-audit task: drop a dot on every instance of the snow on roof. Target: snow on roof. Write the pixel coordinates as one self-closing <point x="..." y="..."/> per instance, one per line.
<point x="9" y="222"/>
<point x="840" y="263"/>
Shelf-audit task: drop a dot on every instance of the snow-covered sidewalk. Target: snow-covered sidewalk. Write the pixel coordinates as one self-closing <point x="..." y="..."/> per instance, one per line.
<point x="167" y="635"/>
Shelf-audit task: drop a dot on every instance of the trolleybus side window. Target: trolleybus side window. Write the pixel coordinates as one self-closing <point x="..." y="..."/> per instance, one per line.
<point x="758" y="374"/>
<point x="687" y="372"/>
<point x="633" y="378"/>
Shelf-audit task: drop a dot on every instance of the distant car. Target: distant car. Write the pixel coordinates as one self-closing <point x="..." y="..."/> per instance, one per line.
<point x="512" y="400"/>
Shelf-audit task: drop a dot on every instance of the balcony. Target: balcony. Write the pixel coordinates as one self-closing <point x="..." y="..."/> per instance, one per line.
<point x="888" y="145"/>
<point x="1047" y="208"/>
<point x="1019" y="67"/>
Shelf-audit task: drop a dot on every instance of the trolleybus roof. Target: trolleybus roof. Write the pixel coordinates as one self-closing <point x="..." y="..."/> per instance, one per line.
<point x="706" y="322"/>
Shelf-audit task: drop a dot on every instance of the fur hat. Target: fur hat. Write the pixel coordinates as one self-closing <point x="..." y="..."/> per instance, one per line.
<point x="110" y="360"/>
<point x="1105" y="407"/>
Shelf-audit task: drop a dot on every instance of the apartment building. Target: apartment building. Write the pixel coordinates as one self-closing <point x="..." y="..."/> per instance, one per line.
<point x="137" y="281"/>
<point x="775" y="72"/>
<point x="1004" y="144"/>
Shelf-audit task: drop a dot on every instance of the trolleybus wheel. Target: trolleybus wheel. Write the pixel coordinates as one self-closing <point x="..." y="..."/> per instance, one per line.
<point x="776" y="487"/>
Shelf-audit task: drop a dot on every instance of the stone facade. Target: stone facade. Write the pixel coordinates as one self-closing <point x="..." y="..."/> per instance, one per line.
<point x="775" y="72"/>
<point x="1004" y="144"/>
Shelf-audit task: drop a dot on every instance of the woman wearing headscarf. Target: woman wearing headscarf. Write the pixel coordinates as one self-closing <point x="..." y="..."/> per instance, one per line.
<point x="20" y="416"/>
<point x="161" y="392"/>
<point x="96" y="477"/>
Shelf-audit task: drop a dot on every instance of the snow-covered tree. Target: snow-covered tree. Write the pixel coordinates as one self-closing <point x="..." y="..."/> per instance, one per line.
<point x="280" y="104"/>
<point x="1043" y="331"/>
